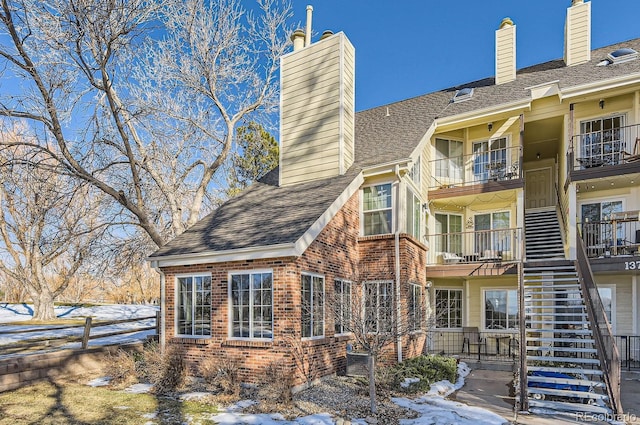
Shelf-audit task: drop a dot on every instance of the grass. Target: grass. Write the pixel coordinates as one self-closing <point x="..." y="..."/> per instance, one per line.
<point x="66" y="402"/>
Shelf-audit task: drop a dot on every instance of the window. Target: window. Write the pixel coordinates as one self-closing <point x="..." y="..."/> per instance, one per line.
<point x="489" y="236"/>
<point x="251" y="305"/>
<point x="194" y="305"/>
<point x="622" y="55"/>
<point x="594" y="231"/>
<point x="448" y="233"/>
<point x="378" y="306"/>
<point x="414" y="173"/>
<point x="377" y="208"/>
<point x="608" y="297"/>
<point x="601" y="142"/>
<point x="416" y="308"/>
<point x="312" y="306"/>
<point x="449" y="159"/>
<point x="414" y="212"/>
<point x="448" y="308"/>
<point x="501" y="309"/>
<point x="463" y="94"/>
<point x="343" y="300"/>
<point x="489" y="159"/>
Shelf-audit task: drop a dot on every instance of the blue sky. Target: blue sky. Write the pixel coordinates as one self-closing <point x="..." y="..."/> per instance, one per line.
<point x="408" y="48"/>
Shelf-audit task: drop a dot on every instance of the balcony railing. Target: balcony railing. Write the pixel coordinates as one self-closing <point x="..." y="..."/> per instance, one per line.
<point x="601" y="148"/>
<point x="491" y="346"/>
<point x="478" y="168"/>
<point x="501" y="245"/>
<point x="619" y="235"/>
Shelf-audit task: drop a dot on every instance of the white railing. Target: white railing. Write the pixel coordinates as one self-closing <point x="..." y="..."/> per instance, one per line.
<point x="500" y="245"/>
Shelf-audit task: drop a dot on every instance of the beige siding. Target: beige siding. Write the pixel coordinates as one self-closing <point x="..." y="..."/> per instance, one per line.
<point x="623" y="301"/>
<point x="505" y="54"/>
<point x="578" y="34"/>
<point x="317" y="111"/>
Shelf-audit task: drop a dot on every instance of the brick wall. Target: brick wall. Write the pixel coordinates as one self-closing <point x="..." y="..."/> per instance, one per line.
<point x="336" y="253"/>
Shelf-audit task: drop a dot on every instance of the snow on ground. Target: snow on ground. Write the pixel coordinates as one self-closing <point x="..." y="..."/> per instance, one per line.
<point x="13" y="313"/>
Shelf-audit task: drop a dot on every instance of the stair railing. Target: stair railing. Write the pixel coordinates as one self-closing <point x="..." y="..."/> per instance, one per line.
<point x="603" y="336"/>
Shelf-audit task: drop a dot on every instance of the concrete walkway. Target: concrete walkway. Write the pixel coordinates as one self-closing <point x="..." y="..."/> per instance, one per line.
<point x="492" y="390"/>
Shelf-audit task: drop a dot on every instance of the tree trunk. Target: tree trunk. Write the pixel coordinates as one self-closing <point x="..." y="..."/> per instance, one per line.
<point x="43" y="304"/>
<point x="372" y="382"/>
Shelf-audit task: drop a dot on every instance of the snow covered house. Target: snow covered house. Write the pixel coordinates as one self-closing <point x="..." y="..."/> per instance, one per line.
<point x="503" y="214"/>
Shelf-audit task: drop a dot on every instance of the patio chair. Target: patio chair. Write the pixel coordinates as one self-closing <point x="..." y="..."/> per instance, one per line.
<point x="471" y="338"/>
<point x="634" y="156"/>
<point x="450" y="257"/>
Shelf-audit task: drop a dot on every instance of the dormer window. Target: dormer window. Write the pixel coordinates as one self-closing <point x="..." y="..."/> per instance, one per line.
<point x="463" y="94"/>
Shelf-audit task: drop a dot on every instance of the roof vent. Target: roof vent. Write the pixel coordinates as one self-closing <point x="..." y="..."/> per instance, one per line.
<point x="463" y="94"/>
<point x="622" y="55"/>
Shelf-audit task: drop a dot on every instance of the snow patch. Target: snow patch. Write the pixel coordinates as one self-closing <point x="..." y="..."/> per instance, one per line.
<point x="139" y="388"/>
<point x="100" y="382"/>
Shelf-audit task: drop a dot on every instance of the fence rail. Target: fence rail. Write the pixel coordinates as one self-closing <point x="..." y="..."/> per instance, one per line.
<point x="490" y="345"/>
<point x="612" y="237"/>
<point x="605" y="147"/>
<point x="74" y="333"/>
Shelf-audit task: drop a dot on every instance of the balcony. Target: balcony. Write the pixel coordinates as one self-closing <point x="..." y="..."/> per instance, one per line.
<point x="619" y="235"/>
<point x="482" y="171"/>
<point x="482" y="246"/>
<point x="604" y="153"/>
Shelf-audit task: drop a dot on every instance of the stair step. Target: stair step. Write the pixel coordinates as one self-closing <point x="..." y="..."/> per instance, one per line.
<point x="561" y="331"/>
<point x="556" y="306"/>
<point x="568" y="407"/>
<point x="551" y="291"/>
<point x="560" y="300"/>
<point x="567" y="393"/>
<point x="564" y="360"/>
<point x="561" y="349"/>
<point x="579" y="317"/>
<point x="576" y="370"/>
<point x="561" y="340"/>
<point x="550" y="283"/>
<point x="551" y="322"/>
<point x="566" y="381"/>
<point x="557" y="269"/>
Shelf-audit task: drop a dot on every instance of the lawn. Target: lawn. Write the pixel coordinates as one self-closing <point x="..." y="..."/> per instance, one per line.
<point x="63" y="402"/>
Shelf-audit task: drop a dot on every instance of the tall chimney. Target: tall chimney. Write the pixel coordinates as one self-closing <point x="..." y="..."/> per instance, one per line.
<point x="506" y="52"/>
<point x="307" y="39"/>
<point x="317" y="110"/>
<point x="577" y="33"/>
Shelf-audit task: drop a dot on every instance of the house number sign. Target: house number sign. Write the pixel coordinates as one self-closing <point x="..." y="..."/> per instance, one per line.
<point x="632" y="265"/>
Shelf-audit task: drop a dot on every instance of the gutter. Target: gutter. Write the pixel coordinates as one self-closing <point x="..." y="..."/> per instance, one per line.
<point x="163" y="307"/>
<point x="589" y="88"/>
<point x="397" y="258"/>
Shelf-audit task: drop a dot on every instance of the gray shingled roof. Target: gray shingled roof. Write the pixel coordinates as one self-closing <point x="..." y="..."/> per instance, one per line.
<point x="266" y="214"/>
<point x="382" y="137"/>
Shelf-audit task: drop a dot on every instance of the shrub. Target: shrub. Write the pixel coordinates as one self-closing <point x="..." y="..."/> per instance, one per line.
<point x="165" y="371"/>
<point x="223" y="373"/>
<point x="278" y="383"/>
<point x="428" y="369"/>
<point x="121" y="368"/>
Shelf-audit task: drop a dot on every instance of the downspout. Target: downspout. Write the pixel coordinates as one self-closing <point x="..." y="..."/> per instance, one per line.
<point x="397" y="258"/>
<point x="163" y="305"/>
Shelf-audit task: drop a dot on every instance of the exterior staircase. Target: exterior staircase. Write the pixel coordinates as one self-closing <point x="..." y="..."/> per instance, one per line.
<point x="563" y="367"/>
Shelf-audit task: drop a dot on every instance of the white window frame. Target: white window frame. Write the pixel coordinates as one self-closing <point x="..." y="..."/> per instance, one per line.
<point x="177" y="305"/>
<point x="416" y="308"/>
<point x="364" y="212"/>
<point x="435" y="307"/>
<point x="251" y="318"/>
<point x="416" y="228"/>
<point x="583" y="133"/>
<point x="342" y="306"/>
<point x="485" y="174"/>
<point x="437" y="245"/>
<point x="378" y="283"/>
<point x="483" y="308"/>
<point x="312" y="319"/>
<point x="612" y="287"/>
<point x="415" y="173"/>
<point x="611" y="199"/>
<point x="454" y="172"/>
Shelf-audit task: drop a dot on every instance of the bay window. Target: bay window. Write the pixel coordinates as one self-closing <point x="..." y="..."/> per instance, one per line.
<point x="377" y="209"/>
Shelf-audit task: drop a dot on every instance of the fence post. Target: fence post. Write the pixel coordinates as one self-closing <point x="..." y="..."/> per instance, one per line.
<point x="87" y="330"/>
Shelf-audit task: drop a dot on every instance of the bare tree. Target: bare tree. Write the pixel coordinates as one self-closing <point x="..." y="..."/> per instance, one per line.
<point x="48" y="226"/>
<point x="141" y="98"/>
<point x="367" y="309"/>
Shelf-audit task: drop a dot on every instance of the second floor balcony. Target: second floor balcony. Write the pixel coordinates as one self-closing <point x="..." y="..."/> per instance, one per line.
<point x="604" y="152"/>
<point x="480" y="246"/>
<point x="617" y="235"/>
<point x="495" y="166"/>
